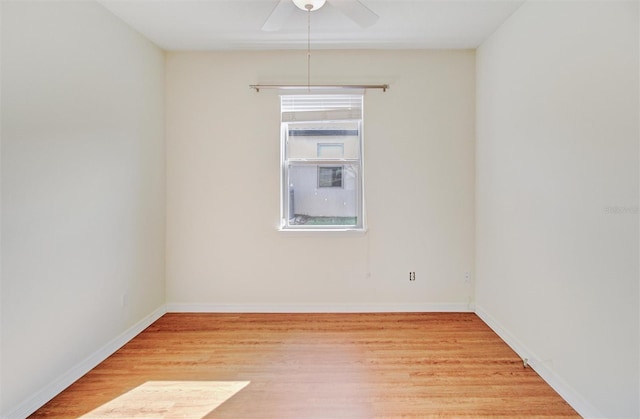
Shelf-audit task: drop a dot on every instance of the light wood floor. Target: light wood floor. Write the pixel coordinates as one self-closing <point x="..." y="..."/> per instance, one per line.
<point x="312" y="366"/>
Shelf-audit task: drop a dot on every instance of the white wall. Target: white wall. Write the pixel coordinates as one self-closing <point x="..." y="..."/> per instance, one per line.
<point x="557" y="196"/>
<point x="223" y="194"/>
<point x="82" y="188"/>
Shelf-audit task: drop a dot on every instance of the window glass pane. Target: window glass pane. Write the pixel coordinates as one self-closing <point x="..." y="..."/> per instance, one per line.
<point x="306" y="141"/>
<point x="323" y="195"/>
<point x="331" y="150"/>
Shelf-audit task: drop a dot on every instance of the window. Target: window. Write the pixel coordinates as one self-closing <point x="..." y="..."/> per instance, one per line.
<point x="321" y="158"/>
<point x="331" y="150"/>
<point x="329" y="177"/>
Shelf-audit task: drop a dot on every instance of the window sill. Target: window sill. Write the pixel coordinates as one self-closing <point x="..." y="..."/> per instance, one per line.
<point x="314" y="232"/>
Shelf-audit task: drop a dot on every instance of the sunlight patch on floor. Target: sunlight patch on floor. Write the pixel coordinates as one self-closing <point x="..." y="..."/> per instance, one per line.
<point x="169" y="399"/>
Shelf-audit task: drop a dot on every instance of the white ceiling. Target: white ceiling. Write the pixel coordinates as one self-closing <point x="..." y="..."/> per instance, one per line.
<point x="236" y="24"/>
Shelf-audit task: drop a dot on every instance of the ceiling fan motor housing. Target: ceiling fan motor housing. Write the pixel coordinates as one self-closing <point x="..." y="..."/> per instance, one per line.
<point x="309" y="5"/>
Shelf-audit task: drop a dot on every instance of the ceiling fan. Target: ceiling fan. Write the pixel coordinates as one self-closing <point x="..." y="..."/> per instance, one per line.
<point x="353" y="9"/>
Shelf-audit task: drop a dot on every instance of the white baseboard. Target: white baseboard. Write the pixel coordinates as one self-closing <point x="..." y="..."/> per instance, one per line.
<point x="575" y="400"/>
<point x="51" y="390"/>
<point x="318" y="308"/>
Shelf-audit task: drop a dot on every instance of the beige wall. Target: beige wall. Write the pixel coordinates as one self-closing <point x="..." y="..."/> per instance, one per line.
<point x="223" y="247"/>
<point x="82" y="188"/>
<point x="557" y="196"/>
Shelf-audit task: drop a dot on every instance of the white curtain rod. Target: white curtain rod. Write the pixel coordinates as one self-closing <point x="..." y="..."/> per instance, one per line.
<point x="257" y="87"/>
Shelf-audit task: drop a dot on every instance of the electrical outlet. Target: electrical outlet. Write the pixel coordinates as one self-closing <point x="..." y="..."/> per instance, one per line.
<point x="124" y="300"/>
<point x="412" y="276"/>
<point x="467" y="276"/>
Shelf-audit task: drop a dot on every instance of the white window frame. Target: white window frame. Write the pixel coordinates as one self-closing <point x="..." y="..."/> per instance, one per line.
<point x="286" y="162"/>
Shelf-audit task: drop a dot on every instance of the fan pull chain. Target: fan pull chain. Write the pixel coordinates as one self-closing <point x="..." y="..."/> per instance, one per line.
<point x="309" y="7"/>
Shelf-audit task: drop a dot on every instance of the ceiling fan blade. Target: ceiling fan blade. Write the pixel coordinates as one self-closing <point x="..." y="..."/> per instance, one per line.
<point x="279" y="16"/>
<point x="356" y="11"/>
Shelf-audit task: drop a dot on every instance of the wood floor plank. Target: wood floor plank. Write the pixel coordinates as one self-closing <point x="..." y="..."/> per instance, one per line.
<point x="374" y="365"/>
